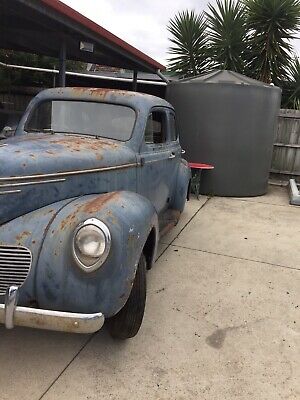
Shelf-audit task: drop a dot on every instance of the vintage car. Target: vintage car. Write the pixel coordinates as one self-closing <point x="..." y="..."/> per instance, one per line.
<point x="88" y="184"/>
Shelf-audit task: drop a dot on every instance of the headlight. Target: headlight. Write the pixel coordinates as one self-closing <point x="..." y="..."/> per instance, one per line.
<point x="91" y="244"/>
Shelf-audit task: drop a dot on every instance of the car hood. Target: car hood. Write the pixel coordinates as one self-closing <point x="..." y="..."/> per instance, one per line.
<point x="40" y="169"/>
<point x="44" y="154"/>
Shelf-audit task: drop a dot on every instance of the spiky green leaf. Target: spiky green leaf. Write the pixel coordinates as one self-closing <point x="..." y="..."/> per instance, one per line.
<point x="227" y="34"/>
<point x="189" y="50"/>
<point x="272" y="24"/>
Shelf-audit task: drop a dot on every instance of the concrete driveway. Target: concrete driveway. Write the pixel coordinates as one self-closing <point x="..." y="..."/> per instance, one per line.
<point x="222" y="318"/>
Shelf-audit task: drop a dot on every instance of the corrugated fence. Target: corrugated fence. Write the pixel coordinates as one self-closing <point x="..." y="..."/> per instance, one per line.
<point x="286" y="155"/>
<point x="15" y="101"/>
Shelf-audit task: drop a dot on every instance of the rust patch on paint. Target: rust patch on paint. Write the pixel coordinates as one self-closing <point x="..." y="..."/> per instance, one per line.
<point x="67" y="221"/>
<point x="74" y="144"/>
<point x="23" y="235"/>
<point x="95" y="205"/>
<point x="101" y="93"/>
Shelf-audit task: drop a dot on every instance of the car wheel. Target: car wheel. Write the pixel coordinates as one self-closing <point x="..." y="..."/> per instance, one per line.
<point x="128" y="321"/>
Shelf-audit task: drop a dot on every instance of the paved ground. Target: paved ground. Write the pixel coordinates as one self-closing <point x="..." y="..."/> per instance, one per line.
<point x="222" y="319"/>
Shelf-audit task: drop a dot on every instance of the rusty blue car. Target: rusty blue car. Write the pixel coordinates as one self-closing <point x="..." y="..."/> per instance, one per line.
<point x="90" y="181"/>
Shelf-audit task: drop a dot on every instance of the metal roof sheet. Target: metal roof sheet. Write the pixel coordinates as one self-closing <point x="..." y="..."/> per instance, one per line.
<point x="40" y="26"/>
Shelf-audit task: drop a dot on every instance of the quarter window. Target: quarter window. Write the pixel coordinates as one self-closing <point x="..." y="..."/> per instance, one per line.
<point x="156" y="128"/>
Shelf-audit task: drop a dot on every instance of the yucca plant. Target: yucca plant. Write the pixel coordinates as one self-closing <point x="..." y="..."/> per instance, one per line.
<point x="227" y="34"/>
<point x="271" y="24"/>
<point x="291" y="87"/>
<point x="189" y="50"/>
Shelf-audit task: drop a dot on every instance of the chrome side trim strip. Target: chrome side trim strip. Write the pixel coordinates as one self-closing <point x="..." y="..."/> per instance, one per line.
<point x="68" y="173"/>
<point x="154" y="161"/>
<point x="31" y="183"/>
<point x="10" y="192"/>
<point x="170" y="156"/>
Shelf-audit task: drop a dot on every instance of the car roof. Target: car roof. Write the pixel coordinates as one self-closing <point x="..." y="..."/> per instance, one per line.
<point x="132" y="99"/>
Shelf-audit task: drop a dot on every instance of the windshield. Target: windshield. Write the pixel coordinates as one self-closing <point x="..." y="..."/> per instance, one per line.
<point x="83" y="117"/>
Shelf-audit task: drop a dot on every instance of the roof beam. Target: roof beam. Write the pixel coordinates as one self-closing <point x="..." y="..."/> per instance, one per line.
<point x="72" y="22"/>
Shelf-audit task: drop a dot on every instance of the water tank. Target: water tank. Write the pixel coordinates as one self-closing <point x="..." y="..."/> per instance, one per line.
<point x="228" y="120"/>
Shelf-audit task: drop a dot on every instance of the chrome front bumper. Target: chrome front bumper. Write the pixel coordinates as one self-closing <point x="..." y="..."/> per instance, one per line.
<point x="11" y="315"/>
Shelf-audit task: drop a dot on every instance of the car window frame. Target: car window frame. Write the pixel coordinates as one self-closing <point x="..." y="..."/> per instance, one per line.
<point x="157" y="146"/>
<point x="170" y="115"/>
<point x="84" y="101"/>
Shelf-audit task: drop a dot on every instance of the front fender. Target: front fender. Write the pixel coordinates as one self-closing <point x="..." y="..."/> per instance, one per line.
<point x="62" y="285"/>
<point x="30" y="230"/>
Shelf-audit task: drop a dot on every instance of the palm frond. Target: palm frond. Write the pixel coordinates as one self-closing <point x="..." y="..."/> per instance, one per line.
<point x="227" y="34"/>
<point x="189" y="50"/>
<point x="272" y="24"/>
<point x="291" y="87"/>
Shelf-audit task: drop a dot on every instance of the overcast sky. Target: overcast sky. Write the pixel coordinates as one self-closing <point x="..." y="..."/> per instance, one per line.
<point x="142" y="23"/>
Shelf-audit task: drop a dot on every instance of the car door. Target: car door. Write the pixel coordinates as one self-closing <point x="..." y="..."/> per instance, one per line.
<point x="159" y="158"/>
<point x="174" y="148"/>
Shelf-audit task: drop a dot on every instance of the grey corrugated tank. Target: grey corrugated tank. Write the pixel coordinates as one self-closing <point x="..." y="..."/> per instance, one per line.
<point x="228" y="120"/>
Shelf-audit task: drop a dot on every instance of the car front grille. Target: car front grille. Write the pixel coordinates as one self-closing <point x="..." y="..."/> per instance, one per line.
<point x="15" y="263"/>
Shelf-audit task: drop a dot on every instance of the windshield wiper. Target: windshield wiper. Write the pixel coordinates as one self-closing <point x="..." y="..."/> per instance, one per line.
<point x="80" y="134"/>
<point x="52" y="132"/>
<point x="45" y="130"/>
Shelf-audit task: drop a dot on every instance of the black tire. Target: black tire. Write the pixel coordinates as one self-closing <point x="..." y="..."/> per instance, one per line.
<point x="128" y="321"/>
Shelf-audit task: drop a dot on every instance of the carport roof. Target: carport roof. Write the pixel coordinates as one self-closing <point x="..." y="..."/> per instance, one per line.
<point x="40" y="27"/>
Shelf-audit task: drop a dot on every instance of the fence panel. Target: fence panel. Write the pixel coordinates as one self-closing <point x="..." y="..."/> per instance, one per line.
<point x="286" y="155"/>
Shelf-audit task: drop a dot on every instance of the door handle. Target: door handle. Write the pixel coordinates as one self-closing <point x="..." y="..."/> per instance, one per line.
<point x="182" y="151"/>
<point x="171" y="156"/>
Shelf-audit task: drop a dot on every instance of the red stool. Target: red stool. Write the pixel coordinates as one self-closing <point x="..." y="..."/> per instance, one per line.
<point x="197" y="169"/>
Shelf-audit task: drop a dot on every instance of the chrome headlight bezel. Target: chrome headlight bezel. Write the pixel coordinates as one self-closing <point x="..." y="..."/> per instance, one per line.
<point x="99" y="261"/>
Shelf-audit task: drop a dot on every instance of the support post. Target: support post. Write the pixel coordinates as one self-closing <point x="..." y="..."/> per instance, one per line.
<point x="134" y="82"/>
<point x="162" y="77"/>
<point x="62" y="64"/>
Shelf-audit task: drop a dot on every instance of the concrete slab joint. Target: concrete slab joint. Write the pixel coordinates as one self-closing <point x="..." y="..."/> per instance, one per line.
<point x="222" y="318"/>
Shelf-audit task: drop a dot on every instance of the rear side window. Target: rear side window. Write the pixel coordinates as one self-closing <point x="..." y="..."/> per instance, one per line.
<point x="156" y="128"/>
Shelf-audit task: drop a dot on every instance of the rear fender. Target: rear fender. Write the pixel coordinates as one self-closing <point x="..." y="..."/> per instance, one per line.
<point x="182" y="186"/>
<point x="62" y="285"/>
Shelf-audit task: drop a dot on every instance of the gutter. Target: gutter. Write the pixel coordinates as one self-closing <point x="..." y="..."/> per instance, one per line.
<point x="64" y="10"/>
<point x="83" y="75"/>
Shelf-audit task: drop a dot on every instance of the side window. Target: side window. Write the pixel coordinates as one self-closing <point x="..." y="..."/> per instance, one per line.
<point x="173" y="130"/>
<point x="156" y="128"/>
